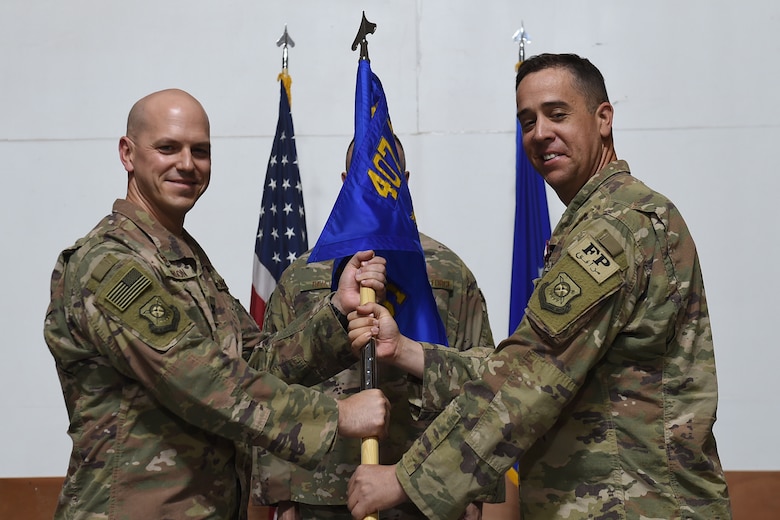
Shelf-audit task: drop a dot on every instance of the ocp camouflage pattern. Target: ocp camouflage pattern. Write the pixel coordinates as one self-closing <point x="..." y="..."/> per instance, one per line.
<point x="151" y="351"/>
<point x="464" y="312"/>
<point x="606" y="392"/>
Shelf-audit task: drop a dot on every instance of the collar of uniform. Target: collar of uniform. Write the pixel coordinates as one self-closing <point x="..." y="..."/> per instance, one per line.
<point x="602" y="176"/>
<point x="170" y="247"/>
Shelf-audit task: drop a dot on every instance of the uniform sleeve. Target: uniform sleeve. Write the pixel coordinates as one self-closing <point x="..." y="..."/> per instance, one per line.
<point x="301" y="300"/>
<point x="468" y="330"/>
<point x="280" y="309"/>
<point x="525" y="383"/>
<point x="446" y="371"/>
<point x="461" y="304"/>
<point x="158" y="338"/>
<point x="470" y="310"/>
<point x="312" y="348"/>
<point x="301" y="287"/>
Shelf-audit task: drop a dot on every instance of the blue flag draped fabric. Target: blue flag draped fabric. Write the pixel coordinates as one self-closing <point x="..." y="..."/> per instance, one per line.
<point x="532" y="230"/>
<point x="281" y="231"/>
<point x="374" y="211"/>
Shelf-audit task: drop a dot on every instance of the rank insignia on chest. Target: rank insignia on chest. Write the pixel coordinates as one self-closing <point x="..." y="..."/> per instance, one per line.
<point x="556" y="296"/>
<point x="162" y="317"/>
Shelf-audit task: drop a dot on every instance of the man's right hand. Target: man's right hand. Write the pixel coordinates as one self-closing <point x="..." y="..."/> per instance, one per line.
<point x="364" y="270"/>
<point x="372" y="488"/>
<point x="372" y="320"/>
<point x="365" y="414"/>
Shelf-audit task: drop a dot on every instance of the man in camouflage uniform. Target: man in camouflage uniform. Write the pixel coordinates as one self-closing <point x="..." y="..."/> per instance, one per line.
<point x="322" y="492"/>
<point x="606" y="392"/>
<point x="151" y="348"/>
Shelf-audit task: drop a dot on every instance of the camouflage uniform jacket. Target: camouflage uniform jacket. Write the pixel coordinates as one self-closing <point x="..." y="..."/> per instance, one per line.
<point x="464" y="312"/>
<point x="151" y="349"/>
<point x="606" y="392"/>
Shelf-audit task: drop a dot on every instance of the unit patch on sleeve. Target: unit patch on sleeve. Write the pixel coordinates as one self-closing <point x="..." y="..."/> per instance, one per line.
<point x="594" y="258"/>
<point x="162" y="317"/>
<point x="141" y="304"/>
<point x="556" y="296"/>
<point x="580" y="279"/>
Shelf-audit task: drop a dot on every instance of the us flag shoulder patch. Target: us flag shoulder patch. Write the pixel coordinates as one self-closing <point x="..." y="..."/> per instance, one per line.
<point x="128" y="288"/>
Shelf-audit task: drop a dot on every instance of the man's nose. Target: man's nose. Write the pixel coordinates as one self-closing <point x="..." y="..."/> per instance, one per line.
<point x="542" y="130"/>
<point x="185" y="163"/>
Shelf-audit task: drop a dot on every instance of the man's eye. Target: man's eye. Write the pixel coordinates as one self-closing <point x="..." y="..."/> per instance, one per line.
<point x="525" y="126"/>
<point x="201" y="153"/>
<point x="166" y="148"/>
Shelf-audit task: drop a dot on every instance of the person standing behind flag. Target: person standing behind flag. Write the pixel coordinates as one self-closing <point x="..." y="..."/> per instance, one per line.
<point x="322" y="493"/>
<point x="606" y="393"/>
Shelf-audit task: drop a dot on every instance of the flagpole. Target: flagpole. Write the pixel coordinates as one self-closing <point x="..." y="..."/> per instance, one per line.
<point x="521" y="37"/>
<point x="273" y="255"/>
<point x="369" y="446"/>
<point x="284" y="42"/>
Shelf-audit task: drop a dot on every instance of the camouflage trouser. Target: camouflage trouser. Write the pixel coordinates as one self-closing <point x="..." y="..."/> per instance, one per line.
<point x="310" y="512"/>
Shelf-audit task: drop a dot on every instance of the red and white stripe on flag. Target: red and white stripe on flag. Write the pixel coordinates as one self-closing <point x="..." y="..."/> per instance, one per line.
<point x="281" y="231"/>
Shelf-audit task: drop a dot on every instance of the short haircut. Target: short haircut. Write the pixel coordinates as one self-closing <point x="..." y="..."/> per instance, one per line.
<point x="587" y="78"/>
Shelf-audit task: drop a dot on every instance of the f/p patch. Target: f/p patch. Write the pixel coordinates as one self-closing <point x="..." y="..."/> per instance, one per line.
<point x="143" y="305"/>
<point x="587" y="273"/>
<point x="594" y="258"/>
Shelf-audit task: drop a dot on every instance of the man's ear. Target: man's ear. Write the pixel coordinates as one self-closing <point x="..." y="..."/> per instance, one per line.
<point x="604" y="113"/>
<point x="126" y="153"/>
<point x="343" y="176"/>
<point x="406" y="174"/>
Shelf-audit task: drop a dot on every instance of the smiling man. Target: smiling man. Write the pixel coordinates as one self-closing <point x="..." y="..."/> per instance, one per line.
<point x="167" y="155"/>
<point x="606" y="393"/>
<point x="165" y="376"/>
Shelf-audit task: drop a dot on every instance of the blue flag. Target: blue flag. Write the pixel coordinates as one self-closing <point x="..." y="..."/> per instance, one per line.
<point x="532" y="230"/>
<point x="374" y="211"/>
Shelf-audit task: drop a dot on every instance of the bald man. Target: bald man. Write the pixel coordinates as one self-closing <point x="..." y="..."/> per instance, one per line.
<point x="167" y="379"/>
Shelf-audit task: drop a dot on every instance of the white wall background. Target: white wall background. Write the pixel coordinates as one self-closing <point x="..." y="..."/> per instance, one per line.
<point x="694" y="85"/>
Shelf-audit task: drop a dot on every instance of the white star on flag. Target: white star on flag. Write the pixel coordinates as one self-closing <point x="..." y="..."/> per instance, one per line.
<point x="273" y="253"/>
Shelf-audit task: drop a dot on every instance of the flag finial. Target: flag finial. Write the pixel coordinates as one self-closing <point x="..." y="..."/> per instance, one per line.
<point x="521" y="37"/>
<point x="366" y="28"/>
<point x="285" y="41"/>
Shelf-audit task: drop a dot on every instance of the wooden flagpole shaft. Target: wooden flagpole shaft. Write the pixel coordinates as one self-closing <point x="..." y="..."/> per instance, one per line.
<point x="369" y="446"/>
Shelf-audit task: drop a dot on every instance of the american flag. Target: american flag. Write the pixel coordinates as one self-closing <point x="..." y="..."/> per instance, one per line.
<point x="281" y="232"/>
